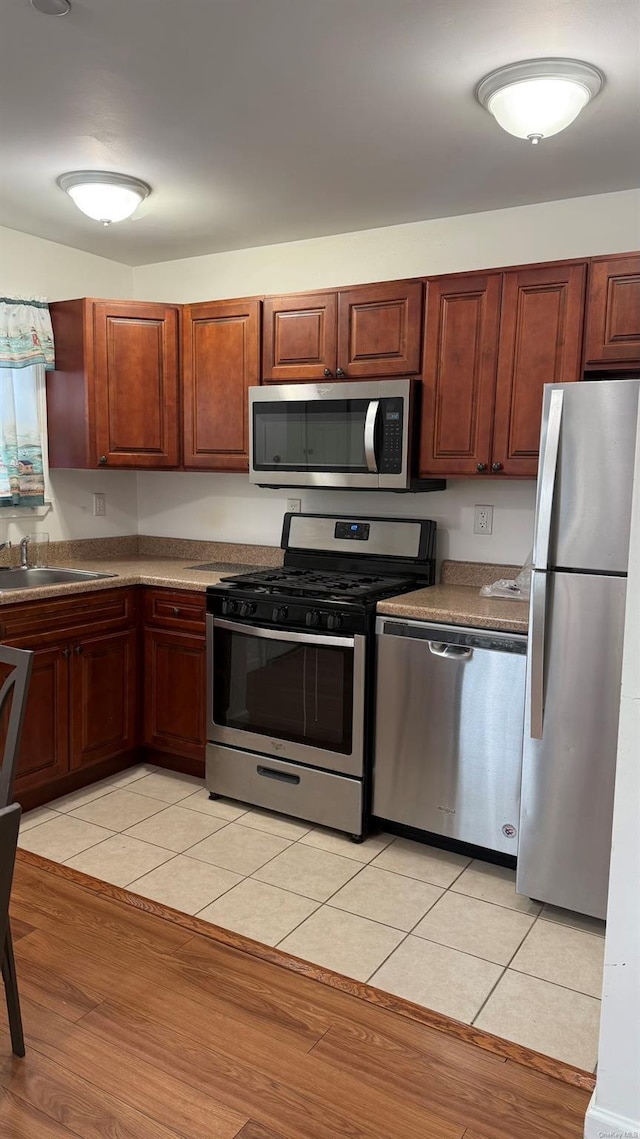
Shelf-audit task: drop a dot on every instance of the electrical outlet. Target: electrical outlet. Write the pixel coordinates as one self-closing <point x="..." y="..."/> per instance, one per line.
<point x="294" y="505"/>
<point x="483" y="520"/>
<point x="100" y="505"/>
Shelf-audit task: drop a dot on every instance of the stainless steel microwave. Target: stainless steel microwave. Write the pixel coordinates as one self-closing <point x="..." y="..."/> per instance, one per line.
<point x="359" y="436"/>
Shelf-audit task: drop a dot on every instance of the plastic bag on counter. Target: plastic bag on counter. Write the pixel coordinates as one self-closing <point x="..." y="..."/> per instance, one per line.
<point x="518" y="588"/>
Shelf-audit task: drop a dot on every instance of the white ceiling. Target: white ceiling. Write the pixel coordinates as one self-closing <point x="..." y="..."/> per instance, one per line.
<point x="260" y="121"/>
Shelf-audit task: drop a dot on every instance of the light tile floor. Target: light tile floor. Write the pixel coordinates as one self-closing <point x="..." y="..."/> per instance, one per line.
<point x="436" y="928"/>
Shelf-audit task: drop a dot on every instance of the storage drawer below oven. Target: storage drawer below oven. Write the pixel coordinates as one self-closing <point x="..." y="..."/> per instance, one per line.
<point x="290" y="788"/>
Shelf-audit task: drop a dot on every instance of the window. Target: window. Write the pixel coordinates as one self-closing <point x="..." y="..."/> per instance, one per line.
<point x="22" y="429"/>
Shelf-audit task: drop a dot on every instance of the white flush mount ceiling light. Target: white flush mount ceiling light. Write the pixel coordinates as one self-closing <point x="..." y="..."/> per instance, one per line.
<point x="103" y="196"/>
<point x="51" y="7"/>
<point x="539" y="97"/>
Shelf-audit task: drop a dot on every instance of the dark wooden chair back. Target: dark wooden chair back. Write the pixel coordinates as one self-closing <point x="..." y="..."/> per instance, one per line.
<point x="9" y="824"/>
<point x="13" y="694"/>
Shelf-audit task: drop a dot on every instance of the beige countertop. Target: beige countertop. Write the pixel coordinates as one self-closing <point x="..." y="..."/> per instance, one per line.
<point x="448" y="603"/>
<point x="170" y="573"/>
<point x="459" y="605"/>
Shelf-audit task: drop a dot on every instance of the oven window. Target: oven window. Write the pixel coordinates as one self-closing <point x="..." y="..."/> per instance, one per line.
<point x="322" y="435"/>
<point x="291" y="691"/>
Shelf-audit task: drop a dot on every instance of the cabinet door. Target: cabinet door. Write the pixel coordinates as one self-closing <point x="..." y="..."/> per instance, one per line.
<point x="379" y="329"/>
<point x="136" y="384"/>
<point x="175" y="692"/>
<point x="613" y="312"/>
<point x="221" y="361"/>
<point x="299" y="337"/>
<point x="540" y="343"/>
<point x="460" y="354"/>
<point x="44" y="749"/>
<point x="103" y="697"/>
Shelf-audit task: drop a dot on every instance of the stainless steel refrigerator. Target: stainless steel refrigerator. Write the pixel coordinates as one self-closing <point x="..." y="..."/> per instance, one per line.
<point x="574" y="656"/>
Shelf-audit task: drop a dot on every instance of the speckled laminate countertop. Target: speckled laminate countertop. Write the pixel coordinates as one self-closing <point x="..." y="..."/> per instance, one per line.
<point x="459" y="605"/>
<point x="170" y="573"/>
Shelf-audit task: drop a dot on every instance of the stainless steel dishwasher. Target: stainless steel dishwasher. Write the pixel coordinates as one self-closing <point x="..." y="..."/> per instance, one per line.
<point x="449" y="729"/>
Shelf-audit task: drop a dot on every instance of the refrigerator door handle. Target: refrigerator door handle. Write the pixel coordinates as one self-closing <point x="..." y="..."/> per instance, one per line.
<point x="536" y="653"/>
<point x="547" y="480"/>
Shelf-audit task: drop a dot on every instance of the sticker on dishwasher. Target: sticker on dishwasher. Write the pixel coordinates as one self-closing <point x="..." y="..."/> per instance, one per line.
<point x="509" y="831"/>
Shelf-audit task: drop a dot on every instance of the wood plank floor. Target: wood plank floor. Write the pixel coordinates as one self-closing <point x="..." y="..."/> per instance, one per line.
<point x="140" y="1027"/>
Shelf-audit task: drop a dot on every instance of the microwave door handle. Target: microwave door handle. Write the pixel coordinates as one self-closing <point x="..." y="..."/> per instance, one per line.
<point x="370" y="421"/>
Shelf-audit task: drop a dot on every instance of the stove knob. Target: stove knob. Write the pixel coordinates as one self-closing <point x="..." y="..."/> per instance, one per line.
<point x="312" y="618"/>
<point x="280" y="613"/>
<point x="228" y="606"/>
<point x="334" y="621"/>
<point x="246" y="608"/>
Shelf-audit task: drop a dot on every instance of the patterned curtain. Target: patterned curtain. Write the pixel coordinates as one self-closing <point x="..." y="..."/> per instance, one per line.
<point x="26" y="347"/>
<point x="21" y="466"/>
<point x="26" y="335"/>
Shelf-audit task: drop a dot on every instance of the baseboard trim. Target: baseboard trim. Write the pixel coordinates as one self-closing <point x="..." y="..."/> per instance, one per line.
<point x="507" y="1049"/>
<point x="602" y="1124"/>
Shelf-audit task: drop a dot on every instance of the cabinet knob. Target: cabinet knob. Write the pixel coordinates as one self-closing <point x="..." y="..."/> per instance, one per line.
<point x="496" y="466"/>
<point x="102" y="460"/>
<point x="328" y="373"/>
<point x="481" y="467"/>
<point x="66" y="653"/>
<point x="340" y="372"/>
<point x="77" y="650"/>
<point x="175" y="611"/>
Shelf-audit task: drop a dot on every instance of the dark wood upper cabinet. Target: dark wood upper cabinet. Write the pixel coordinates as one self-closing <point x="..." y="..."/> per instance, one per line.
<point x="113" y="399"/>
<point x="379" y="330"/>
<point x="299" y="337"/>
<point x="540" y="343"/>
<point x="220" y="362"/>
<point x="103" y="697"/>
<point x="373" y="330"/>
<point x="613" y="313"/>
<point x="459" y="368"/>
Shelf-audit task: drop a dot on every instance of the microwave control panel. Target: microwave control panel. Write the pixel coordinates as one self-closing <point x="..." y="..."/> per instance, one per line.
<point x="391" y="433"/>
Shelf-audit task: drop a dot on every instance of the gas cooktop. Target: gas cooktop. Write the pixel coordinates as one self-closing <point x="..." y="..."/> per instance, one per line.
<point x="311" y="583"/>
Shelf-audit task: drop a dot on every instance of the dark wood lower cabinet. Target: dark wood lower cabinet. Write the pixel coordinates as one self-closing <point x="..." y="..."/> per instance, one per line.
<point x="175" y="692"/>
<point x="103" y="697"/>
<point x="44" y="750"/>
<point x="81" y="706"/>
<point x="83" y="719"/>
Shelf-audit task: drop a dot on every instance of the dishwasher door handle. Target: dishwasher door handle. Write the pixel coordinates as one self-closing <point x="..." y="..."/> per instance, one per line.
<point x="452" y="652"/>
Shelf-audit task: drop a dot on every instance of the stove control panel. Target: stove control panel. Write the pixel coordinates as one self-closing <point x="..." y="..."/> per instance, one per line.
<point x="293" y="615"/>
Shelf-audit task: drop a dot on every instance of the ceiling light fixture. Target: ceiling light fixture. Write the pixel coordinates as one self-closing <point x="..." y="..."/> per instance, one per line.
<point x="51" y="7"/>
<point x="103" y="196"/>
<point x="539" y="97"/>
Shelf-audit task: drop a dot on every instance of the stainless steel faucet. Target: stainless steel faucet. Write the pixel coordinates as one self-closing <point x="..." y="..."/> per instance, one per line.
<point x="24" y="555"/>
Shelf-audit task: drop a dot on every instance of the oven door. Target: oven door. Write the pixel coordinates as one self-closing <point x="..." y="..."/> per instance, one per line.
<point x="291" y="695"/>
<point x="341" y="435"/>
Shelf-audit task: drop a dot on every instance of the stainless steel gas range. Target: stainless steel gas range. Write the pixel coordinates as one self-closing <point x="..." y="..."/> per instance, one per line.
<point x="290" y="665"/>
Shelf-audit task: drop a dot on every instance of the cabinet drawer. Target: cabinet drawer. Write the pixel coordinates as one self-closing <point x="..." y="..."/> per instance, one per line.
<point x="74" y="614"/>
<point x="175" y="609"/>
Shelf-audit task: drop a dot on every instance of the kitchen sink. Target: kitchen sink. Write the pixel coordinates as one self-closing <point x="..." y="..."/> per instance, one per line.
<point x="33" y="578"/>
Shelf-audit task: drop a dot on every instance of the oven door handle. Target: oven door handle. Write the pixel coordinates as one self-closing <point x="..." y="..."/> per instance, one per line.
<point x="284" y="634"/>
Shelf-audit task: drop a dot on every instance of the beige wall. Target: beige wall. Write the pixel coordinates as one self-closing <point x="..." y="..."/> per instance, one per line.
<point x="577" y="227"/>
<point x="30" y="266"/>
<point x="228" y="507"/>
